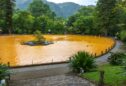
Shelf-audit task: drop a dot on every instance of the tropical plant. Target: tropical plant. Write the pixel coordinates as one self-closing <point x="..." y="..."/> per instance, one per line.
<point x="3" y="71"/>
<point x="117" y="58"/>
<point x="82" y="61"/>
<point x="39" y="37"/>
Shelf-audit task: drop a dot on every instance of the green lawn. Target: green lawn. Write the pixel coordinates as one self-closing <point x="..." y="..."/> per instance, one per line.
<point x="114" y="75"/>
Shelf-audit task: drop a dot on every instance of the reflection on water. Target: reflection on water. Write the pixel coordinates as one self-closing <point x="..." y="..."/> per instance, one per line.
<point x="64" y="46"/>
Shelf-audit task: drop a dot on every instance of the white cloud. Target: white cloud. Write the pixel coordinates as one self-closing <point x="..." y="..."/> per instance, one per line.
<point x="81" y="2"/>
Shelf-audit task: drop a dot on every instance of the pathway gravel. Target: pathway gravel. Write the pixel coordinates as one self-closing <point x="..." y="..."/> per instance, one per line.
<point x="59" y="80"/>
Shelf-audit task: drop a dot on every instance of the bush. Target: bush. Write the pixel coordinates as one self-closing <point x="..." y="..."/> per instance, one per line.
<point x="82" y="61"/>
<point x="122" y="35"/>
<point x="39" y="37"/>
<point x="3" y="71"/>
<point x="117" y="58"/>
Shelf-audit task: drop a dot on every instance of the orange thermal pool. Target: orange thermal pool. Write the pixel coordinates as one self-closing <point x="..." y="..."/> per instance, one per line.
<point x="64" y="46"/>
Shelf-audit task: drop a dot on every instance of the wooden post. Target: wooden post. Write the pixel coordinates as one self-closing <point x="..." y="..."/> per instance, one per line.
<point x="9" y="68"/>
<point x="101" y="79"/>
<point x="7" y="82"/>
<point x="8" y="78"/>
<point x="95" y="54"/>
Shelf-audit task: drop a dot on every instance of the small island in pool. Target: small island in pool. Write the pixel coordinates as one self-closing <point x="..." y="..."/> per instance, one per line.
<point x="40" y="40"/>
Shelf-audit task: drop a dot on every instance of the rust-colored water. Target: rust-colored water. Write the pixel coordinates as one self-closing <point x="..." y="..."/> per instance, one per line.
<point x="64" y="46"/>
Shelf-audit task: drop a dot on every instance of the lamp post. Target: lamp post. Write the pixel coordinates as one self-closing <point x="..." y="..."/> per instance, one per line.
<point x="0" y="30"/>
<point x="49" y="31"/>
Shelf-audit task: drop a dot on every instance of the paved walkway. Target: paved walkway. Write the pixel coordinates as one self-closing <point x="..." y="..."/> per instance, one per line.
<point x="59" y="80"/>
<point x="104" y="58"/>
<point x="39" y="71"/>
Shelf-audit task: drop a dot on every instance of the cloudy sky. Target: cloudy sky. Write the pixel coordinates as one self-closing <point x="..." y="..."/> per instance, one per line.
<point x="81" y="2"/>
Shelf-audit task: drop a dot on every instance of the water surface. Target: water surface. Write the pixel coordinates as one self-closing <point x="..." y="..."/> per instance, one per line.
<point x="64" y="46"/>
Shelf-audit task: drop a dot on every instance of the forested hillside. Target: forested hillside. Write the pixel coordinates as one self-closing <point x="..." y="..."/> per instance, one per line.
<point x="61" y="10"/>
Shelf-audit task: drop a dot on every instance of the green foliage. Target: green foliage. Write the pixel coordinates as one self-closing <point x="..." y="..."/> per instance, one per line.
<point x="9" y="14"/>
<point x="107" y="19"/>
<point x="23" y="22"/>
<point x="41" y="23"/>
<point x="84" y="25"/>
<point x="117" y="58"/>
<point x="113" y="75"/>
<point x="2" y="15"/>
<point x="3" y="71"/>
<point x="71" y="20"/>
<point x="83" y="21"/>
<point x="122" y="35"/>
<point x="38" y="8"/>
<point x="87" y="10"/>
<point x="82" y="61"/>
<point x="58" y="27"/>
<point x="6" y="13"/>
<point x="39" y="18"/>
<point x="39" y="37"/>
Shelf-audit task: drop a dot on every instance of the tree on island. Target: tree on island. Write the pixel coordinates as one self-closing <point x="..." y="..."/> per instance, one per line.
<point x="39" y="37"/>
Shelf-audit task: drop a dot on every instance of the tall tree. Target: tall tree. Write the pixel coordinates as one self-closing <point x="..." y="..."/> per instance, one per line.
<point x="23" y="22"/>
<point x="107" y="16"/>
<point x="38" y="8"/>
<point x="121" y="8"/>
<point x="2" y="13"/>
<point x="86" y="10"/>
<point x="8" y="14"/>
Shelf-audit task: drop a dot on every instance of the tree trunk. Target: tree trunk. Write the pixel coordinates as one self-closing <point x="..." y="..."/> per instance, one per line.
<point x="9" y="12"/>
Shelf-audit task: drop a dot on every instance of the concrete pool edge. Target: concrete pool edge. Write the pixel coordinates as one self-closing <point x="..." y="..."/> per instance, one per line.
<point x="43" y="64"/>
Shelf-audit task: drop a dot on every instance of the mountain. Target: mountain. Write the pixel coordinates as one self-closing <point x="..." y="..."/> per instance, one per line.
<point x="69" y="8"/>
<point x="62" y="9"/>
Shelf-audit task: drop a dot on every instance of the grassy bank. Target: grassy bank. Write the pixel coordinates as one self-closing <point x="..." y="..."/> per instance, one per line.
<point x="114" y="75"/>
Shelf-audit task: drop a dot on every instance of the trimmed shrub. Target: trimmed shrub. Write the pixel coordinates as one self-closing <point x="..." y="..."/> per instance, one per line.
<point x="82" y="62"/>
<point x="117" y="58"/>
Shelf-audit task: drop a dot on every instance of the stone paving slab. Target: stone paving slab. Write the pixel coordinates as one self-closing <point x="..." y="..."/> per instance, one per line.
<point x="39" y="71"/>
<point x="58" y="80"/>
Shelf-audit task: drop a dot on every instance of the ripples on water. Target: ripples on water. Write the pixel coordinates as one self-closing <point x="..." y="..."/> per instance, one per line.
<point x="64" y="46"/>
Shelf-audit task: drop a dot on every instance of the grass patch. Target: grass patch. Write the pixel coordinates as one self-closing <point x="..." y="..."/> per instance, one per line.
<point x="114" y="75"/>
